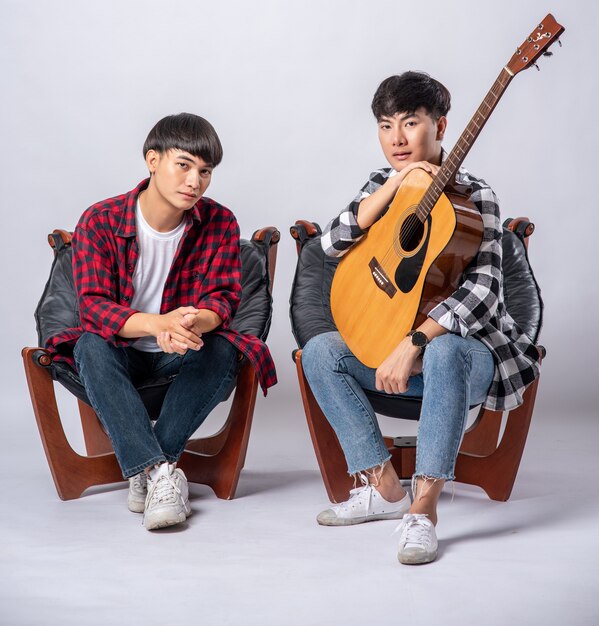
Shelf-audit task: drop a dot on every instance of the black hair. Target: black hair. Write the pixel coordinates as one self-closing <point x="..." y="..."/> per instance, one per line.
<point x="408" y="92"/>
<point x="187" y="132"/>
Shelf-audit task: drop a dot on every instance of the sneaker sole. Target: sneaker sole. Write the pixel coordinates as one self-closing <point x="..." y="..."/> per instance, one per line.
<point x="163" y="521"/>
<point x="347" y="521"/>
<point x="166" y="518"/>
<point x="416" y="559"/>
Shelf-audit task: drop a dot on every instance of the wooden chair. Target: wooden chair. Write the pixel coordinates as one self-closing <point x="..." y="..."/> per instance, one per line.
<point x="483" y="459"/>
<point x="215" y="461"/>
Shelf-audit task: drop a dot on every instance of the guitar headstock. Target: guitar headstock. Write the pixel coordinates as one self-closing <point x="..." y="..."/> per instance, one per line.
<point x="537" y="43"/>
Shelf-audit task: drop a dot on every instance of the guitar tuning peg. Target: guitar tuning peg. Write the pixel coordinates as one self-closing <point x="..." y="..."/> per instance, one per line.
<point x="559" y="41"/>
<point x="538" y="68"/>
<point x="548" y="53"/>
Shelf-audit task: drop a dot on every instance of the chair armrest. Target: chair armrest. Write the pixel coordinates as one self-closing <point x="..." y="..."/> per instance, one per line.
<point x="40" y="356"/>
<point x="522" y="226"/>
<point x="302" y="230"/>
<point x="64" y="235"/>
<point x="267" y="235"/>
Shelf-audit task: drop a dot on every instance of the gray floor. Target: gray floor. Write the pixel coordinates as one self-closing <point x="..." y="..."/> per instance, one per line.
<point x="262" y="559"/>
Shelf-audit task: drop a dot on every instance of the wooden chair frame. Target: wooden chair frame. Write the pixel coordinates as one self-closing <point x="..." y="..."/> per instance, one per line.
<point x="215" y="461"/>
<point x="483" y="460"/>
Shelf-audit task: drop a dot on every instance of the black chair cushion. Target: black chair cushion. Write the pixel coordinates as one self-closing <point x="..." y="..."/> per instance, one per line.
<point x="58" y="309"/>
<point x="520" y="289"/>
<point x="310" y="308"/>
<point x="254" y="314"/>
<point x="311" y="315"/>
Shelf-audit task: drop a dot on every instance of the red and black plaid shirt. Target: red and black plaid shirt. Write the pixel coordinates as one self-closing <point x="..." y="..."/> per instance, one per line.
<point x="205" y="273"/>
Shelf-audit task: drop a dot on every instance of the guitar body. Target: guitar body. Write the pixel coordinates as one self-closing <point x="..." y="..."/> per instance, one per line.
<point x="402" y="269"/>
<point x="407" y="263"/>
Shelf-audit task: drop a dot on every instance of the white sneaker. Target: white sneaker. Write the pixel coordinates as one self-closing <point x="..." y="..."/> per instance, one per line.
<point x="167" y="502"/>
<point x="365" y="504"/>
<point x="138" y="490"/>
<point x="418" y="540"/>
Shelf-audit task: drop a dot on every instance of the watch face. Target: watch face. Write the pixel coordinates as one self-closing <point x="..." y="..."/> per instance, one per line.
<point x="419" y="339"/>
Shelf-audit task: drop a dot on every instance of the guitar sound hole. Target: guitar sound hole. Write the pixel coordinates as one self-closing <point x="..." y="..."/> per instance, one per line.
<point x="411" y="233"/>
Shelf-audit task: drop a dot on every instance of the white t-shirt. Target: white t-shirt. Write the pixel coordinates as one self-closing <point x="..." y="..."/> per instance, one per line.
<point x="156" y="253"/>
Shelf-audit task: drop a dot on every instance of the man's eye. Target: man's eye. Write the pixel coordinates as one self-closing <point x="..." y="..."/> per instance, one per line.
<point x="205" y="173"/>
<point x="182" y="165"/>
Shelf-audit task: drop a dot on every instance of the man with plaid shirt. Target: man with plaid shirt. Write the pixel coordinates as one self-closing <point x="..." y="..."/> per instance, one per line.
<point x="157" y="272"/>
<point x="467" y="351"/>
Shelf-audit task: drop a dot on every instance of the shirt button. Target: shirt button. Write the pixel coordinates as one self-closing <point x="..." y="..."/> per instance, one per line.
<point x="126" y="298"/>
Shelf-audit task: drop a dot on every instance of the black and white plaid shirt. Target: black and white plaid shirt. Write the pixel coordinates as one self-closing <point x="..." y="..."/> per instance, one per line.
<point x="477" y="307"/>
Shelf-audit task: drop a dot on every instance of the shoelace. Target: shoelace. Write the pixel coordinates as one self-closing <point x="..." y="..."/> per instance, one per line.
<point x="140" y="482"/>
<point x="414" y="530"/>
<point x="357" y="495"/>
<point x="162" y="490"/>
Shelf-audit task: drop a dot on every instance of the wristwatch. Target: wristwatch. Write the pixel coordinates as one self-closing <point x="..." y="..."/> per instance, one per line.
<point x="419" y="339"/>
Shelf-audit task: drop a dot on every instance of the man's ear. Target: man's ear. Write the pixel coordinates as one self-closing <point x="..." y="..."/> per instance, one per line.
<point x="152" y="160"/>
<point x="441" y="126"/>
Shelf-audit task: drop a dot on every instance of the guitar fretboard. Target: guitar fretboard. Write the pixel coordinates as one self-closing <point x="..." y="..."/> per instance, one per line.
<point x="460" y="150"/>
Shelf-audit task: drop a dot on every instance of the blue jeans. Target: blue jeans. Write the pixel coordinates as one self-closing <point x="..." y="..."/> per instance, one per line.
<point x="109" y="375"/>
<point x="457" y="373"/>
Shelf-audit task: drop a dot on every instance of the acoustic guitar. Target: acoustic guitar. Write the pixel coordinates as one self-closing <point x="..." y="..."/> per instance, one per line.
<point x="413" y="257"/>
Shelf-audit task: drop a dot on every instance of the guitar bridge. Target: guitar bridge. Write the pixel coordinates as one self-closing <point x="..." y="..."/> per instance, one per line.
<point x="381" y="280"/>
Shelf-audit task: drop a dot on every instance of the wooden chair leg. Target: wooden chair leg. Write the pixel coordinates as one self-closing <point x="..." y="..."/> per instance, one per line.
<point x="72" y="473"/>
<point x="482" y="437"/>
<point x="330" y="457"/>
<point x="96" y="440"/>
<point x="496" y="472"/>
<point x="403" y="457"/>
<point x="217" y="461"/>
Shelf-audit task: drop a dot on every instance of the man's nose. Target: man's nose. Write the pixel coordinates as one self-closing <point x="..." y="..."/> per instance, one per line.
<point x="398" y="137"/>
<point x="193" y="179"/>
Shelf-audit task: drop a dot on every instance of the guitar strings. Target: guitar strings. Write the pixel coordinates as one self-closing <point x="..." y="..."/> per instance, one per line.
<point x="447" y="171"/>
<point x="494" y="97"/>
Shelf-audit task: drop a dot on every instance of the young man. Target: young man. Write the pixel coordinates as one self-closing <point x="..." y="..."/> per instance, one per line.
<point x="467" y="351"/>
<point x="157" y="274"/>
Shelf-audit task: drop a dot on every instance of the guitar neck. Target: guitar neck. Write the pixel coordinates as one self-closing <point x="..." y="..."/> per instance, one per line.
<point x="456" y="157"/>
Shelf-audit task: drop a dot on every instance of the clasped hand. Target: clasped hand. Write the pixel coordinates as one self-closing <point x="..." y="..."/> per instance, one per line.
<point x="393" y="373"/>
<point x="177" y="331"/>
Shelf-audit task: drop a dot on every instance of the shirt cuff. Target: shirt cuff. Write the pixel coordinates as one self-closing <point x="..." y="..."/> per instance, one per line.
<point x="222" y="310"/>
<point x="449" y="319"/>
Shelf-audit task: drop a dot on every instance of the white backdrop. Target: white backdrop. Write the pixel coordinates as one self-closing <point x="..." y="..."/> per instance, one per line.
<point x="288" y="87"/>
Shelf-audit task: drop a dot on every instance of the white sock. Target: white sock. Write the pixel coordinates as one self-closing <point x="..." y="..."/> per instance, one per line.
<point x="158" y="469"/>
